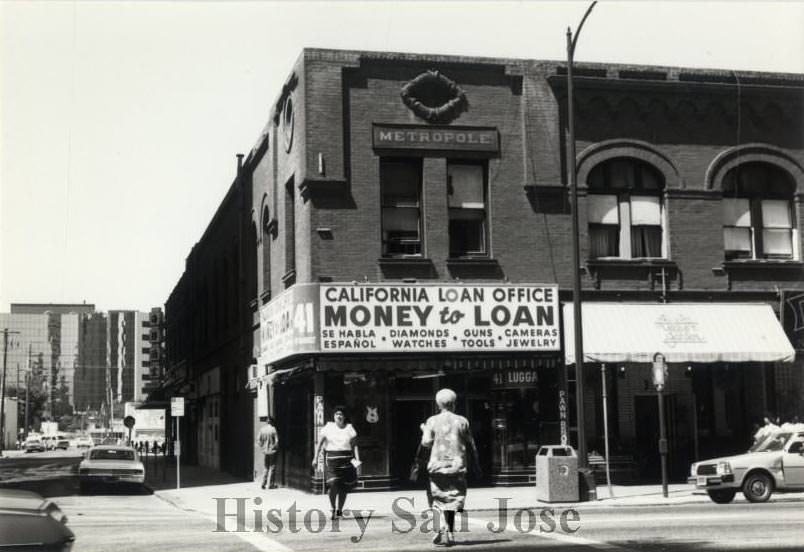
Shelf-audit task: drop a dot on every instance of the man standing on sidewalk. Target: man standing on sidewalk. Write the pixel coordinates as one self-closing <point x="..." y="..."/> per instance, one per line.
<point x="268" y="441"/>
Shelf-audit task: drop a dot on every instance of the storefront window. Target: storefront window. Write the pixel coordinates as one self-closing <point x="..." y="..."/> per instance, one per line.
<point x="524" y="414"/>
<point x="516" y="427"/>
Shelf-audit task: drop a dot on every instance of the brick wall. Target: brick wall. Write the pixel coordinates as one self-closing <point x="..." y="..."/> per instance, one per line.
<point x="340" y="94"/>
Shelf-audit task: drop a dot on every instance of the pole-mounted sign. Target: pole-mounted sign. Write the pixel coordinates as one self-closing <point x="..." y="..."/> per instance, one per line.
<point x="177" y="406"/>
<point x="129" y="422"/>
<point x="177" y="411"/>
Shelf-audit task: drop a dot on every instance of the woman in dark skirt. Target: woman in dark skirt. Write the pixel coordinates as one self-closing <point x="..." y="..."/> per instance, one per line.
<point x="338" y="439"/>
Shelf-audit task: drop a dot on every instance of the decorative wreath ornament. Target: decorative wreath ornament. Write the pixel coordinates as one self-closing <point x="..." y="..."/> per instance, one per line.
<point x="434" y="97"/>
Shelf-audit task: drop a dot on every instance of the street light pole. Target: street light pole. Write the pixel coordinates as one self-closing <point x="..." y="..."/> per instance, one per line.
<point x="576" y="255"/>
<point x="659" y="379"/>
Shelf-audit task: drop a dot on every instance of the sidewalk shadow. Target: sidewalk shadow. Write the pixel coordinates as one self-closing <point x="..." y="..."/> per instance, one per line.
<point x="459" y="542"/>
<point x="117" y="490"/>
<point x="160" y="474"/>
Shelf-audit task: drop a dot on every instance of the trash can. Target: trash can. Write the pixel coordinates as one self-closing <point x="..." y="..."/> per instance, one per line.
<point x="556" y="474"/>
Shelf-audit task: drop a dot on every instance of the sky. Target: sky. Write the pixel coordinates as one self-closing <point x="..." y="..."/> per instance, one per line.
<point x="120" y="121"/>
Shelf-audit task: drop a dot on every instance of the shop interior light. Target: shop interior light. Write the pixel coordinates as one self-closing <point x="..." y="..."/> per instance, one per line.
<point x="438" y="374"/>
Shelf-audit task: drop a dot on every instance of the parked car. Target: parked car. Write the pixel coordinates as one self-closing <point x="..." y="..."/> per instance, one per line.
<point x="34" y="444"/>
<point x="84" y="442"/>
<point x="62" y="444"/>
<point x="31" y="522"/>
<point x="110" y="464"/>
<point x="774" y="464"/>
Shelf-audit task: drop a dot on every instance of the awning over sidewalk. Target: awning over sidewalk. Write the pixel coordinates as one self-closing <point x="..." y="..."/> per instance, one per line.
<point x="682" y="332"/>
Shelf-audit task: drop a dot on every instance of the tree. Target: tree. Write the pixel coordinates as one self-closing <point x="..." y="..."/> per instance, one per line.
<point x="61" y="400"/>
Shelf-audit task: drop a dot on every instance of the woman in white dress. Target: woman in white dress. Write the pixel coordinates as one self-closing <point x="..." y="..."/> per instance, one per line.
<point x="339" y="441"/>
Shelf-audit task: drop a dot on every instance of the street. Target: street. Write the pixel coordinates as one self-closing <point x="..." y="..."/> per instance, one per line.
<point x="140" y="521"/>
<point x="217" y="513"/>
<point x="106" y="522"/>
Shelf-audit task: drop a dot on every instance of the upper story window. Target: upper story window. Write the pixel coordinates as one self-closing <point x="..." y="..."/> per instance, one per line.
<point x="758" y="215"/>
<point x="466" y="200"/>
<point x="626" y="210"/>
<point x="401" y="184"/>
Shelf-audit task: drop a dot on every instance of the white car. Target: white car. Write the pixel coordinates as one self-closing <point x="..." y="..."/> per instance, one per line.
<point x="84" y="442"/>
<point x="34" y="444"/>
<point x="110" y="464"/>
<point x="774" y="464"/>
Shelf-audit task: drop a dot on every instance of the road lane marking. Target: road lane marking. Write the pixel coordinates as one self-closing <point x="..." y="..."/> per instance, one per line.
<point x="681" y="518"/>
<point x="259" y="540"/>
<point x="558" y="536"/>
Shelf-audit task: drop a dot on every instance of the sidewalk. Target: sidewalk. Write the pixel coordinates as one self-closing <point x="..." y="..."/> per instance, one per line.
<point x="205" y="490"/>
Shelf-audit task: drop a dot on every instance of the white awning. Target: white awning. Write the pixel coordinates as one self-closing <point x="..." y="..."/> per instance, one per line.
<point x="682" y="332"/>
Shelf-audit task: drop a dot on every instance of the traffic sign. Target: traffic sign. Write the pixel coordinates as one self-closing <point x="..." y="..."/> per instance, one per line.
<point x="177" y="406"/>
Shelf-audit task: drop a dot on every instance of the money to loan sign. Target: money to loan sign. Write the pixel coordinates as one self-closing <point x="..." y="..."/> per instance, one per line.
<point x="407" y="318"/>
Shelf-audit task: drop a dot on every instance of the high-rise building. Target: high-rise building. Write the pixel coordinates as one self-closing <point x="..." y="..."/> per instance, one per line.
<point x="82" y="360"/>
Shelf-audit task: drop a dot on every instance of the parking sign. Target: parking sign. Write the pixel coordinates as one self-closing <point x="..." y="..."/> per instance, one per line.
<point x="177" y="406"/>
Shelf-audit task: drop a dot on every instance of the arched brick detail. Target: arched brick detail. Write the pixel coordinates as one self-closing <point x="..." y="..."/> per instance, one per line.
<point x="597" y="153"/>
<point x="748" y="153"/>
<point x="264" y="214"/>
<point x="255" y="221"/>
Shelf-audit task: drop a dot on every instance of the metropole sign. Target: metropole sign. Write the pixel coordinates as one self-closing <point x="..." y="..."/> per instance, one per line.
<point x="398" y="318"/>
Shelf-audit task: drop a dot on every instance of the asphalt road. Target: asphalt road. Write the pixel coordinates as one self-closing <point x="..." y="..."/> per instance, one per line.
<point x="141" y="521"/>
<point x="775" y="526"/>
<point x="137" y="520"/>
<point x="134" y="520"/>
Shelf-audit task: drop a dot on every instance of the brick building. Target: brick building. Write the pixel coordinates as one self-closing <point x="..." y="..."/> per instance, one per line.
<point x="403" y="224"/>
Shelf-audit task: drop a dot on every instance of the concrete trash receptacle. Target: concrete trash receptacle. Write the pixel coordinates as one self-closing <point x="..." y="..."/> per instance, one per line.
<point x="556" y="474"/>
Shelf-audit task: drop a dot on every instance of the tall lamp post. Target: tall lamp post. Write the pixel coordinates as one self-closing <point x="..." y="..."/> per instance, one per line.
<point x="576" y="254"/>
<point x="659" y="377"/>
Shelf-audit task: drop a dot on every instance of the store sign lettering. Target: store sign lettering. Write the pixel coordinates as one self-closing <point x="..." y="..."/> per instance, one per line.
<point x="288" y="324"/>
<point x="436" y="138"/>
<point x="436" y="318"/>
<point x="319" y="318"/>
<point x="514" y="379"/>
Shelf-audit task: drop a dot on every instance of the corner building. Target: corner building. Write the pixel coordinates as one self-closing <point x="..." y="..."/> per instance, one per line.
<point x="406" y="227"/>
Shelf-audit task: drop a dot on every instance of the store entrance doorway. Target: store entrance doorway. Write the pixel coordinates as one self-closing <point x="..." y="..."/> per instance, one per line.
<point x="406" y="435"/>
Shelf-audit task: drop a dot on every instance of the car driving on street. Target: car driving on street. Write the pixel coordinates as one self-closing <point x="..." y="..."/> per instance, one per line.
<point x="776" y="463"/>
<point x="34" y="444"/>
<point x="110" y="464"/>
<point x="31" y="522"/>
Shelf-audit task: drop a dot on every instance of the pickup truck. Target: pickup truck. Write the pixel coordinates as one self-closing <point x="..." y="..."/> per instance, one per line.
<point x="776" y="463"/>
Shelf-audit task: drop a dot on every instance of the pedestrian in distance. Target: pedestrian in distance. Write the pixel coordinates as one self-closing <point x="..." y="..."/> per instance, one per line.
<point x="268" y="441"/>
<point x="338" y="439"/>
<point x="767" y="429"/>
<point x="453" y="452"/>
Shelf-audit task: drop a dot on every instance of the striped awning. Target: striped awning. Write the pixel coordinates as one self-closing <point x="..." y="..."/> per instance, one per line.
<point x="682" y="332"/>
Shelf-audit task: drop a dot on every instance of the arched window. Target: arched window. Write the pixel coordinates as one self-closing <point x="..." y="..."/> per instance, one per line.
<point x="758" y="214"/>
<point x="626" y="210"/>
<point x="266" y="253"/>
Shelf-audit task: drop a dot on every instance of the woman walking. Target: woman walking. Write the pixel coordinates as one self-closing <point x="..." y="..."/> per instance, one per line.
<point x="338" y="439"/>
<point x="452" y="450"/>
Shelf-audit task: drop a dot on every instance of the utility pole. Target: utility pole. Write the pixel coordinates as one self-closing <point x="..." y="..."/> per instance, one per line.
<point x="576" y="255"/>
<point x="27" y="394"/>
<point x="3" y="391"/>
